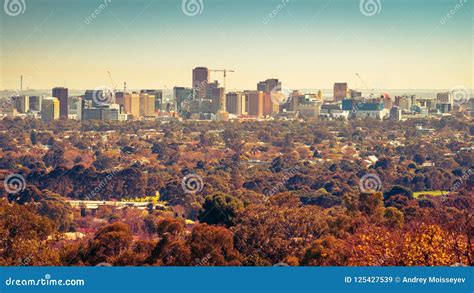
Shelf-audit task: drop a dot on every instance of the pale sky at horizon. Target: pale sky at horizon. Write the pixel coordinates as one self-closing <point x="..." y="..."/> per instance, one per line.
<point x="307" y="44"/>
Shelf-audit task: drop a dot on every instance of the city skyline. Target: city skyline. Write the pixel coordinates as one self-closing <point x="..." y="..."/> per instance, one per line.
<point x="307" y="44"/>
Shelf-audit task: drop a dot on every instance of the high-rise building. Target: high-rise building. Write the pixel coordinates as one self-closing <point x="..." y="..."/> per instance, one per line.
<point x="182" y="96"/>
<point x="147" y="105"/>
<point x="270" y="103"/>
<point x="35" y="103"/>
<point x="61" y="94"/>
<point x="340" y="91"/>
<point x="93" y="114"/>
<point x="444" y="98"/>
<point x="269" y="85"/>
<point x="235" y="103"/>
<point x="120" y="98"/>
<point x="255" y="103"/>
<point x="50" y="109"/>
<point x="22" y="103"/>
<point x="158" y="94"/>
<point x="201" y="81"/>
<point x="132" y="104"/>
<point x="396" y="113"/>
<point x="79" y="107"/>
<point x="99" y="98"/>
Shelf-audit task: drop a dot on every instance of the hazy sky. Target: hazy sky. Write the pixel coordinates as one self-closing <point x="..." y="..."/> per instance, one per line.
<point x="306" y="43"/>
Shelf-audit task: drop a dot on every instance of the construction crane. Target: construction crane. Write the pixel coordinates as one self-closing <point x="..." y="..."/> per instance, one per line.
<point x="222" y="99"/>
<point x="223" y="71"/>
<point x="111" y="81"/>
<point x="366" y="86"/>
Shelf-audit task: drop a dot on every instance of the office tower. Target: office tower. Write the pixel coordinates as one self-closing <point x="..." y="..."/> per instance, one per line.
<point x="270" y="103"/>
<point x="132" y="104"/>
<point x="310" y="108"/>
<point x="22" y="103"/>
<point x="235" y="103"/>
<point x="272" y="96"/>
<point x="201" y="81"/>
<point x="147" y="105"/>
<point x="158" y="97"/>
<point x="79" y="108"/>
<point x="340" y="91"/>
<point x="182" y="96"/>
<point x="444" y="98"/>
<point x="444" y="102"/>
<point x="269" y="85"/>
<point x="99" y="98"/>
<point x="255" y="102"/>
<point x="50" y="109"/>
<point x="93" y="114"/>
<point x="111" y="113"/>
<point x="120" y="98"/>
<point x="395" y="113"/>
<point x="61" y="94"/>
<point x="35" y="103"/>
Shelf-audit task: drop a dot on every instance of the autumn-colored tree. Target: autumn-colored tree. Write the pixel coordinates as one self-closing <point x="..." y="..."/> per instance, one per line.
<point x="429" y="245"/>
<point x="326" y="251"/>
<point x="214" y="244"/>
<point x="109" y="243"/>
<point x="220" y="209"/>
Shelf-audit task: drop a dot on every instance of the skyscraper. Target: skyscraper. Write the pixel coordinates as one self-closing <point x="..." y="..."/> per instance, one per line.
<point x="35" y="103"/>
<point x="235" y="103"/>
<point x="269" y="85"/>
<point x="147" y="105"/>
<point x="340" y="91"/>
<point x="22" y="103"/>
<point x="182" y="96"/>
<point x="132" y="104"/>
<point x="215" y="93"/>
<point x="61" y="94"/>
<point x="271" y="103"/>
<point x="201" y="81"/>
<point x="50" y="109"/>
<point x="255" y="103"/>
